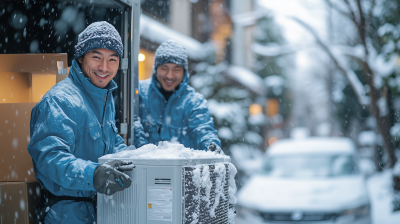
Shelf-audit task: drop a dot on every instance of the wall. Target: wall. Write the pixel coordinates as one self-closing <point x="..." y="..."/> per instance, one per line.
<point x="146" y="66"/>
<point x="181" y="16"/>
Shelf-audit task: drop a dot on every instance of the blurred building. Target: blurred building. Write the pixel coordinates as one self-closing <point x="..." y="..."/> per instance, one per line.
<point x="244" y="18"/>
<point x="162" y="20"/>
<point x="211" y="30"/>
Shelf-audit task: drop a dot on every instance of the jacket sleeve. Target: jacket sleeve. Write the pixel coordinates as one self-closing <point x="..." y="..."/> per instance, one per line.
<point x="139" y="135"/>
<point x="53" y="132"/>
<point x="140" y="138"/>
<point x="200" y="125"/>
<point x="119" y="144"/>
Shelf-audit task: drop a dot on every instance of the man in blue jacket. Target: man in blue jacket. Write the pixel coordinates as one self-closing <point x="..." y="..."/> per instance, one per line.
<point x="73" y="125"/>
<point x="170" y="109"/>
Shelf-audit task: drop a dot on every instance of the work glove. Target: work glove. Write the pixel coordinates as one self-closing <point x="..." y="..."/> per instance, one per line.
<point x="109" y="178"/>
<point x="215" y="148"/>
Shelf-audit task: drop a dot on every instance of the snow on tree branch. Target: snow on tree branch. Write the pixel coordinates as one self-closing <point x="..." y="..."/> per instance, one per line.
<point x="273" y="50"/>
<point x="341" y="64"/>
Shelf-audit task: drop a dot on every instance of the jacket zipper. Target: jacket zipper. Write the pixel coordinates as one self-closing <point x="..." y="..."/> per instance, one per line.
<point x="101" y="125"/>
<point x="104" y="109"/>
<point x="165" y="113"/>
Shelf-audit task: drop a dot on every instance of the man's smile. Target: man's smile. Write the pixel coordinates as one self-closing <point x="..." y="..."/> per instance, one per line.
<point x="100" y="76"/>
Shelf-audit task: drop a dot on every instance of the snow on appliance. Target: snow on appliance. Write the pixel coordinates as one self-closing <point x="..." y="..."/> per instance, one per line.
<point x="172" y="184"/>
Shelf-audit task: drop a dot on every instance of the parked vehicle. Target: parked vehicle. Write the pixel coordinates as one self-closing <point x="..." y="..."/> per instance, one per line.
<point x="311" y="180"/>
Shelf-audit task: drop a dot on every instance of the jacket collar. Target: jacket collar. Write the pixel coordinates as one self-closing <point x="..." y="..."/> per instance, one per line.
<point x="83" y="82"/>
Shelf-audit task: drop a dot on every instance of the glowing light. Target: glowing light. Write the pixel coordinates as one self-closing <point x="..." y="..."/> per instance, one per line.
<point x="272" y="140"/>
<point x="141" y="57"/>
<point x="272" y="107"/>
<point x="137" y="91"/>
<point x="255" y="109"/>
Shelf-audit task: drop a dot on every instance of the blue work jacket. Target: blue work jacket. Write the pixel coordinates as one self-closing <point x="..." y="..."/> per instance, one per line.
<point x="71" y="127"/>
<point x="184" y="118"/>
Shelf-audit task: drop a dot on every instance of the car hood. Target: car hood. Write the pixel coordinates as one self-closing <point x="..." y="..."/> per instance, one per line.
<point x="277" y="194"/>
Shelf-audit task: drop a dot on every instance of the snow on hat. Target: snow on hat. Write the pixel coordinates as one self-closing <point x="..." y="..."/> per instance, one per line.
<point x="99" y="35"/>
<point x="171" y="51"/>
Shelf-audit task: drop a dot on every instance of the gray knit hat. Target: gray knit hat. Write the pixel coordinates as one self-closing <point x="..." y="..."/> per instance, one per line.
<point x="171" y="51"/>
<point x="99" y="35"/>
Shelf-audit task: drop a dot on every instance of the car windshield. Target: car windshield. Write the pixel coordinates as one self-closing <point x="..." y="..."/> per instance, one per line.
<point x="310" y="166"/>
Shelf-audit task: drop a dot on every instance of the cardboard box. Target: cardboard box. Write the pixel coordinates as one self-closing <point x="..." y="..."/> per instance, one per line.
<point x="15" y="160"/>
<point x="24" y="79"/>
<point x="27" y="77"/>
<point x="18" y="202"/>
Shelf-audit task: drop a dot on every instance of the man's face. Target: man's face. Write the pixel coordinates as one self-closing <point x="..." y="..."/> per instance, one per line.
<point x="170" y="75"/>
<point x="100" y="66"/>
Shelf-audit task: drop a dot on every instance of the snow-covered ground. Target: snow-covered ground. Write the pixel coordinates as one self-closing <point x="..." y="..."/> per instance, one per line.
<point x="379" y="187"/>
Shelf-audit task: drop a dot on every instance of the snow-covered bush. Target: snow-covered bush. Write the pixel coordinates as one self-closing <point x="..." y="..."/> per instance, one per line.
<point x="228" y="105"/>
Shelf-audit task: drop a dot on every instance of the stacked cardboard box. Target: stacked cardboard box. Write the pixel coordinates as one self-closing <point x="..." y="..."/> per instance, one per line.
<point x="24" y="79"/>
<point x="18" y="201"/>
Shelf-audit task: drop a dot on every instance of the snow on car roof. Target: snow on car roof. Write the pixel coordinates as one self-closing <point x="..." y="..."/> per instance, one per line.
<point x="312" y="145"/>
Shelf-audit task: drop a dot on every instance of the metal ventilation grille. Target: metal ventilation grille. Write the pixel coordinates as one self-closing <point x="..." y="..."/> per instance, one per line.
<point x="308" y="216"/>
<point x="162" y="181"/>
<point x="121" y="205"/>
<point x="192" y="203"/>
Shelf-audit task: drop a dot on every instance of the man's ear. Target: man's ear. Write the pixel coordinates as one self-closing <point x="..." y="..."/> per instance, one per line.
<point x="80" y="60"/>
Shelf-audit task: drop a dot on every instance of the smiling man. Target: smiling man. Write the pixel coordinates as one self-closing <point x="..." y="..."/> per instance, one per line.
<point x="73" y="125"/>
<point x="100" y="66"/>
<point x="170" y="109"/>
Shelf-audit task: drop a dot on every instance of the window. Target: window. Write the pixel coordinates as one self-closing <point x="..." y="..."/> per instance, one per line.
<point x="310" y="166"/>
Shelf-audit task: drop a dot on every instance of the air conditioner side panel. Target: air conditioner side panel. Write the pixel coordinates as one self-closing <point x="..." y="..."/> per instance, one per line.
<point x="120" y="207"/>
<point x="131" y="205"/>
<point x="165" y="175"/>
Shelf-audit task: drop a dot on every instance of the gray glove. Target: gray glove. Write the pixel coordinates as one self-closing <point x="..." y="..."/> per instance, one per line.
<point x="214" y="148"/>
<point x="109" y="178"/>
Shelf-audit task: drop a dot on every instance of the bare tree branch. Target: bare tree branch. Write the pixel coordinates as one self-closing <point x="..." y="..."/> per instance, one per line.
<point x="369" y="19"/>
<point x="349" y="74"/>
<point x="371" y="9"/>
<point x="362" y="26"/>
<point x="341" y="11"/>
<point x="353" y="15"/>
<point x="383" y="123"/>
<point x="361" y="60"/>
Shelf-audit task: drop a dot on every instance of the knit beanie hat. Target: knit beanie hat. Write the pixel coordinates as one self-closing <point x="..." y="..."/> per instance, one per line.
<point x="99" y="35"/>
<point x="170" y="51"/>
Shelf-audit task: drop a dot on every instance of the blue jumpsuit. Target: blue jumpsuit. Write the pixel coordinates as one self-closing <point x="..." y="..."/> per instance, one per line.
<point x="184" y="118"/>
<point x="71" y="127"/>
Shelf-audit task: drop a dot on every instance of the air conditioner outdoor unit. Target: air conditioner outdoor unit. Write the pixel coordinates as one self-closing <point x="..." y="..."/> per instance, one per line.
<point x="172" y="184"/>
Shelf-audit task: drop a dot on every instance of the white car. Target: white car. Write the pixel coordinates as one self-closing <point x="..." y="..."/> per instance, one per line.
<point x="311" y="180"/>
